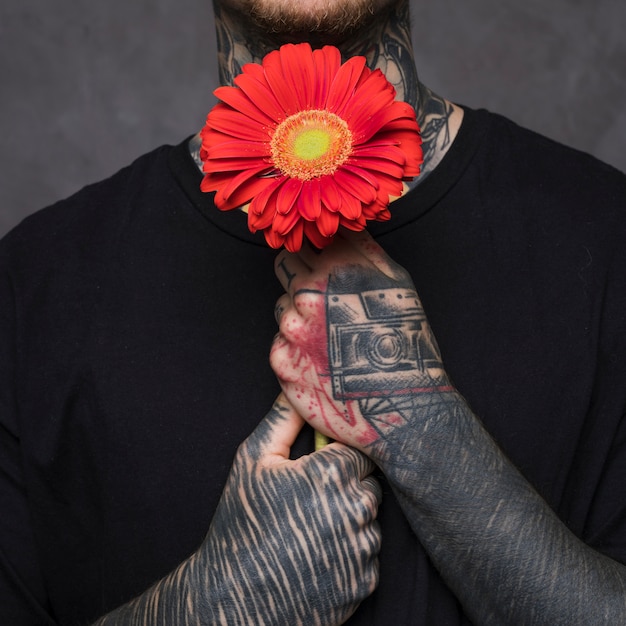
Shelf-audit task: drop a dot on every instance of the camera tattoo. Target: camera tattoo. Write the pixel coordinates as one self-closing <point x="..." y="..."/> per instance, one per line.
<point x="382" y="353"/>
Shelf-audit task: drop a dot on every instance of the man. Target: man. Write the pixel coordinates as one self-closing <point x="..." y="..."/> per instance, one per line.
<point x="134" y="310"/>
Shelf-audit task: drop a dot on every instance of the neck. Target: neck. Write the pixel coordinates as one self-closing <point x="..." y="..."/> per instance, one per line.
<point x="385" y="43"/>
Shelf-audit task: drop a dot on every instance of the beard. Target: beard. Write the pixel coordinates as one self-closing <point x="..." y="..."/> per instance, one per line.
<point x="334" y="18"/>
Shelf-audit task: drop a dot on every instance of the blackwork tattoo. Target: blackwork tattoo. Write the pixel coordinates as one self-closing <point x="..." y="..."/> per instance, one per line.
<point x="279" y="309"/>
<point x="287" y="545"/>
<point x="387" y="46"/>
<point x="480" y="521"/>
<point x="382" y="353"/>
<point x="381" y="387"/>
<point x="194" y="145"/>
<point x="385" y="43"/>
<point x="378" y="344"/>
<point x="237" y="45"/>
<point x="434" y="120"/>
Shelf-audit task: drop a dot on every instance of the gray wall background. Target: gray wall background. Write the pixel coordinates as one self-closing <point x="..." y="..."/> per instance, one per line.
<point x="87" y="86"/>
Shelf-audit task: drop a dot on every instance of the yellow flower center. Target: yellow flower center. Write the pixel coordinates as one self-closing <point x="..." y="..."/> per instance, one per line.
<point x="311" y="143"/>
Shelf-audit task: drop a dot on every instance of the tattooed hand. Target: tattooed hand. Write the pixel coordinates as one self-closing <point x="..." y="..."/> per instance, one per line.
<point x="355" y="351"/>
<point x="358" y="360"/>
<point x="298" y="538"/>
<point x="291" y="542"/>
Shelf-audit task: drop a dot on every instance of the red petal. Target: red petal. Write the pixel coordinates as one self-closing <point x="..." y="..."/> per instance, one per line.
<point x="238" y="100"/>
<point x="312" y="233"/>
<point x="260" y="222"/>
<point x="234" y="165"/>
<point x="263" y="218"/>
<point x="309" y="202"/>
<point x="299" y="72"/>
<point x="257" y="89"/>
<point x="282" y="224"/>
<point x="266" y="198"/>
<point x="375" y="82"/>
<point x="282" y="90"/>
<point x="380" y="119"/>
<point x="376" y="211"/>
<point x="293" y="240"/>
<point x="410" y="146"/>
<point x="344" y="83"/>
<point x="350" y="206"/>
<point x="329" y="193"/>
<point x="234" y="148"/>
<point x="355" y="185"/>
<point x="274" y="240"/>
<point x="362" y="119"/>
<point x="356" y="225"/>
<point x="231" y="122"/>
<point x="240" y="189"/>
<point x="405" y="119"/>
<point x="253" y="70"/>
<point x="389" y="186"/>
<point x="327" y="63"/>
<point x="215" y="181"/>
<point x="378" y="165"/>
<point x="396" y="132"/>
<point x="287" y="195"/>
<point x="375" y="93"/>
<point x="327" y="223"/>
<point x="381" y="150"/>
<point x="369" y="177"/>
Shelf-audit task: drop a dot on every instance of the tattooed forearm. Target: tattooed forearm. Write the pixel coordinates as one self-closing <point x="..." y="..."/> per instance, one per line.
<point x="291" y="542"/>
<point x="382" y="387"/>
<point x="500" y="548"/>
<point x="463" y="498"/>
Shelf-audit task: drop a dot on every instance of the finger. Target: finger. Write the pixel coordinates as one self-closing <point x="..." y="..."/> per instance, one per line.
<point x="361" y="465"/>
<point x="282" y="304"/>
<point x="338" y="252"/>
<point x="291" y="324"/>
<point x="283" y="360"/>
<point x="368" y="248"/>
<point x="373" y="486"/>
<point x="289" y="267"/>
<point x="355" y="250"/>
<point x="291" y="311"/>
<point x="277" y="432"/>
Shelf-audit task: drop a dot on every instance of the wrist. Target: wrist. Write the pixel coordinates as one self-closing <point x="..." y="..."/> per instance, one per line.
<point x="415" y="437"/>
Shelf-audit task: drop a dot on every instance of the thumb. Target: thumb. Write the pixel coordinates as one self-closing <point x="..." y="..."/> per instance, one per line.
<point x="275" y="435"/>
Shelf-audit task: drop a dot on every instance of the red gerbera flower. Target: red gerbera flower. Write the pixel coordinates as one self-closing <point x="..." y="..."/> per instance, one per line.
<point x="310" y="144"/>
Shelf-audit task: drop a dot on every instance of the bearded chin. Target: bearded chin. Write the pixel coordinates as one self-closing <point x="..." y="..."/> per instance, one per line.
<point x="294" y="18"/>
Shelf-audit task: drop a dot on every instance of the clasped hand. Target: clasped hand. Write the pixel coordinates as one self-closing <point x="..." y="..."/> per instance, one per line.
<point x="354" y="352"/>
<point x="292" y="541"/>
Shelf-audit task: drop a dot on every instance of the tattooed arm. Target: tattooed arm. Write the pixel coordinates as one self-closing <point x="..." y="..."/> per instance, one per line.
<point x="381" y="387"/>
<point x="291" y="542"/>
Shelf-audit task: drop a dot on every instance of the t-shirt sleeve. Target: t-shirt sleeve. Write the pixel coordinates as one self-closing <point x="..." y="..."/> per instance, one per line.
<point x="605" y="527"/>
<point x="22" y="591"/>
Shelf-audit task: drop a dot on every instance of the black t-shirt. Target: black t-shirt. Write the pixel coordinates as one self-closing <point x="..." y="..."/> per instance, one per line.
<point x="135" y="326"/>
